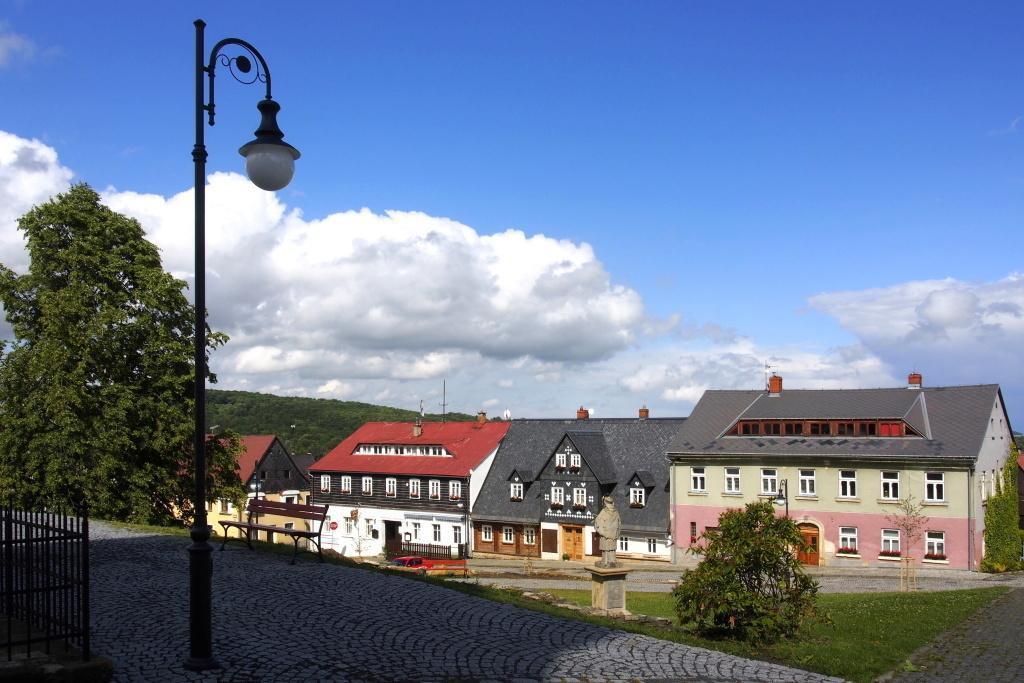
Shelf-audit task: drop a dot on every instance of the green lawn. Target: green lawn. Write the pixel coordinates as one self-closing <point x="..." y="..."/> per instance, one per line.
<point x="871" y="632"/>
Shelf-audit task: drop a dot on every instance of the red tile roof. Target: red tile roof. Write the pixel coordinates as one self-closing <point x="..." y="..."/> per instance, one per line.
<point x="1020" y="461"/>
<point x="256" y="446"/>
<point x="468" y="443"/>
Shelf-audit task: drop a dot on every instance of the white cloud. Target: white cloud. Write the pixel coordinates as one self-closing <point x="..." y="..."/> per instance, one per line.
<point x="14" y="47"/>
<point x="954" y="331"/>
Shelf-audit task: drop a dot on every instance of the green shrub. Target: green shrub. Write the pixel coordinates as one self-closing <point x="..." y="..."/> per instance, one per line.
<point x="1002" y="522"/>
<point x="749" y="583"/>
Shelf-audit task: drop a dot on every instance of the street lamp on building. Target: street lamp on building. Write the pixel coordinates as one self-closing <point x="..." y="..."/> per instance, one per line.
<point x="783" y="496"/>
<point x="270" y="164"/>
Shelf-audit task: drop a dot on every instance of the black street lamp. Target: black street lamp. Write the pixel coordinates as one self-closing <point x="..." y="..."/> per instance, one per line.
<point x="270" y="164"/>
<point x="783" y="496"/>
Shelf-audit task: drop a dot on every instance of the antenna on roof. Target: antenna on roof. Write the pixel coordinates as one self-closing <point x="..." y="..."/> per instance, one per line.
<point x="444" y="398"/>
<point x="767" y="373"/>
<point x="421" y="408"/>
<point x="507" y="415"/>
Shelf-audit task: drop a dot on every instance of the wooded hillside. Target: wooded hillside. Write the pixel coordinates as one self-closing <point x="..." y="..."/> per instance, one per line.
<point x="305" y="425"/>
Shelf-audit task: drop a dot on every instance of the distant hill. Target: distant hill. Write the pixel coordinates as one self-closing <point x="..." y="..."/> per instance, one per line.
<point x="305" y="425"/>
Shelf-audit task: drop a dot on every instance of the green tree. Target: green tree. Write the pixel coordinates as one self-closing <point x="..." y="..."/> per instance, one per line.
<point x="1002" y="521"/>
<point x="749" y="583"/>
<point x="96" y="387"/>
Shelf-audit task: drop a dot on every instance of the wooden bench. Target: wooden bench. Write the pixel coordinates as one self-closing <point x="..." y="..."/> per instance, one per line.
<point x="316" y="513"/>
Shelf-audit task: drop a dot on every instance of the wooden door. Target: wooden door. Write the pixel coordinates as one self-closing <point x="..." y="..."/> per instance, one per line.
<point x="572" y="542"/>
<point x="809" y="553"/>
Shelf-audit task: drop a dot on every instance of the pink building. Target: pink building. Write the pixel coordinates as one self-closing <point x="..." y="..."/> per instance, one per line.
<point x="839" y="461"/>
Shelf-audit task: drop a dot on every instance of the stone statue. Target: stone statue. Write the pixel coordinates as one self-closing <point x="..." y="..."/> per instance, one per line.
<point x="607" y="524"/>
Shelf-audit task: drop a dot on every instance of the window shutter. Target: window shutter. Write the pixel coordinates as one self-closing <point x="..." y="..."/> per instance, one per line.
<point x="549" y="540"/>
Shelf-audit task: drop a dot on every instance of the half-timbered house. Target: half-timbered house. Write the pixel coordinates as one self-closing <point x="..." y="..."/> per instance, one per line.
<point x="390" y="482"/>
<point x="549" y="477"/>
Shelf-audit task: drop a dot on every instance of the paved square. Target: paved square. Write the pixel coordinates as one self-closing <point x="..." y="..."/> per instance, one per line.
<point x="322" y="622"/>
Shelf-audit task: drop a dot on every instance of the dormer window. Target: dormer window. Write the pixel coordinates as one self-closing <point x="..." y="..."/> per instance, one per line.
<point x="637" y="497"/>
<point x="516" y="491"/>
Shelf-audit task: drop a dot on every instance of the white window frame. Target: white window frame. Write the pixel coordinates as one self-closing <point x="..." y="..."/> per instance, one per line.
<point x="369" y="527"/>
<point x="575" y="462"/>
<point x="367" y="486"/>
<point x="508" y="535"/>
<point x="890" y="486"/>
<point x="891" y="540"/>
<point x="516" y="490"/>
<point x="560" y="461"/>
<point x="637" y="497"/>
<point x="808" y="483"/>
<point x="848" y="539"/>
<point x="487" y="533"/>
<point x="769" y="482"/>
<point x="652" y="544"/>
<point x="935" y="543"/>
<point x="325" y="483"/>
<point x="457" y="534"/>
<point x="847" y="484"/>
<point x="349" y="526"/>
<point x="390" y="487"/>
<point x="529" y="536"/>
<point x="434" y="489"/>
<point x="624" y="544"/>
<point x="579" y="497"/>
<point x="454" y="490"/>
<point x="557" y="495"/>
<point x="414" y="488"/>
<point x="732" y="480"/>
<point x="346" y="484"/>
<point x="415" y="531"/>
<point x="935" y="487"/>
<point x="698" y="480"/>
<point x="436" y="532"/>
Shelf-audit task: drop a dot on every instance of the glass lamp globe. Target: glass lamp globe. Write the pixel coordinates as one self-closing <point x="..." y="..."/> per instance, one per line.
<point x="269" y="160"/>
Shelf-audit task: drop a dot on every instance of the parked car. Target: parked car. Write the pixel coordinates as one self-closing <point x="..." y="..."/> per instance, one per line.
<point x="425" y="565"/>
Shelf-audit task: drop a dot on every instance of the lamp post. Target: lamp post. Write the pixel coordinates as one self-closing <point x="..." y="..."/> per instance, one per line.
<point x="783" y="496"/>
<point x="270" y="164"/>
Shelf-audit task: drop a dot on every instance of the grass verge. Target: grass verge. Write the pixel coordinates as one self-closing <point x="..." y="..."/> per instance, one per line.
<point x="871" y="633"/>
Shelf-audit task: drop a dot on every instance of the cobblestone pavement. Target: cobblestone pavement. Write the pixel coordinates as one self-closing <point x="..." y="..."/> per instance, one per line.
<point x="984" y="647"/>
<point x="322" y="622"/>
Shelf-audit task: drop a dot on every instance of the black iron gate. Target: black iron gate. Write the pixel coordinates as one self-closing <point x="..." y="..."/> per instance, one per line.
<point x="44" y="578"/>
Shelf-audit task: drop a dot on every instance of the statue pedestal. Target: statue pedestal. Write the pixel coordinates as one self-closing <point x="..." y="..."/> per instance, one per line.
<point x="608" y="589"/>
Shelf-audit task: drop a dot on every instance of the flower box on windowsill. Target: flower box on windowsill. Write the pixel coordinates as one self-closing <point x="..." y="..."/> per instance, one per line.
<point x="636" y="505"/>
<point x="559" y="468"/>
<point x="889" y="554"/>
<point x="556" y="506"/>
<point x="935" y="556"/>
<point x="574" y="469"/>
<point x="848" y="551"/>
<point x="579" y="507"/>
<point x="516" y="499"/>
<point x="454" y="497"/>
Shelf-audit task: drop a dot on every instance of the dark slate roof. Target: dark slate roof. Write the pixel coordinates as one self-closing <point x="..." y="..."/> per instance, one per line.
<point x="630" y="444"/>
<point x="952" y="419"/>
<point x="591" y="445"/>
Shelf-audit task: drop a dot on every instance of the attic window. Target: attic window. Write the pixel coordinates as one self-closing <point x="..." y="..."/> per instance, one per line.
<point x="821" y="427"/>
<point x="637" y="497"/>
<point x="516" y="492"/>
<point x="574" y="461"/>
<point x="400" y="449"/>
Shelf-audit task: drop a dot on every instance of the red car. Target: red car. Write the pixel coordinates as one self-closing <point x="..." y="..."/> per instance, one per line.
<point x="423" y="565"/>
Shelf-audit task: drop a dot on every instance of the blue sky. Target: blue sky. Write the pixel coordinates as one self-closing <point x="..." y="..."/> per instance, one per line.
<point x="757" y="176"/>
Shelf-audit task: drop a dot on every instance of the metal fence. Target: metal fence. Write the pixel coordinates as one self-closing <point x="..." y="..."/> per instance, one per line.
<point x="44" y="579"/>
<point x="426" y="550"/>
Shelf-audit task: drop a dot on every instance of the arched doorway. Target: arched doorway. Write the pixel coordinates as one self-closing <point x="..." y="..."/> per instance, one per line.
<point x="810" y="552"/>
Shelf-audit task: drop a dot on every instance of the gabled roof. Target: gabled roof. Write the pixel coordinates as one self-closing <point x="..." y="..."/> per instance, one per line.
<point x="525" y="476"/>
<point x="953" y="421"/>
<point x="645" y="478"/>
<point x="591" y="445"/>
<point x="629" y="444"/>
<point x="467" y="444"/>
<point x="256" y="446"/>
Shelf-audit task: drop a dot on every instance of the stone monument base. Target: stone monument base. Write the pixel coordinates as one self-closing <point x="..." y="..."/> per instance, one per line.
<point x="608" y="588"/>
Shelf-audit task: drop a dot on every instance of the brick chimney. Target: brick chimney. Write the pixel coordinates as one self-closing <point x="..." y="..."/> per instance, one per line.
<point x="914" y="380"/>
<point x="481" y="417"/>
<point x="644" y="413"/>
<point x="774" y="385"/>
<point x="417" y="428"/>
<point x="582" y="414"/>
